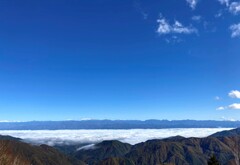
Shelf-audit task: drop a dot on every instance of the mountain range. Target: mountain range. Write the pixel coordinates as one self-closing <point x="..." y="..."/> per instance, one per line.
<point x="117" y="124"/>
<point x="176" y="150"/>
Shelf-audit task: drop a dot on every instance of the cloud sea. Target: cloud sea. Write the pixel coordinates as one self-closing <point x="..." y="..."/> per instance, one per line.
<point x="132" y="136"/>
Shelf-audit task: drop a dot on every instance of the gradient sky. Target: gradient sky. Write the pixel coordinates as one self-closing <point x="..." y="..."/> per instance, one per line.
<point x="119" y="59"/>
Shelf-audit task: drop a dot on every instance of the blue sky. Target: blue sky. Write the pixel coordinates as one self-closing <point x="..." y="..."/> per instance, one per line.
<point x="121" y="59"/>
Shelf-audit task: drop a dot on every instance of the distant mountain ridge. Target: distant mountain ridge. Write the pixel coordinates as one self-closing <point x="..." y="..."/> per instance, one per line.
<point x="116" y="124"/>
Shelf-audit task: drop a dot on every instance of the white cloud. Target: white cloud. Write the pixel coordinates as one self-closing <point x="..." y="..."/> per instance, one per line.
<point x="4" y="121"/>
<point x="235" y="106"/>
<point x="220" y="108"/>
<point x="164" y="27"/>
<point x="87" y="147"/>
<point x="84" y="119"/>
<point x="235" y="28"/>
<point x="177" y="28"/>
<point x="9" y="121"/>
<point x="234" y="94"/>
<point x="234" y="8"/>
<point x="132" y="136"/>
<point x="192" y="3"/>
<point x="228" y="119"/>
<point x="224" y="2"/>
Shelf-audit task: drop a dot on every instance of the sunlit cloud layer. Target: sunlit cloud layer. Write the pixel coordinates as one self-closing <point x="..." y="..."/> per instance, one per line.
<point x="133" y="136"/>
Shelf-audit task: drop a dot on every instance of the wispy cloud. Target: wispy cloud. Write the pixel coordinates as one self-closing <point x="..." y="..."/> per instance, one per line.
<point x="87" y="147"/>
<point x="164" y="27"/>
<point x="178" y="28"/>
<point x="9" y="121"/>
<point x="234" y="8"/>
<point x="224" y="2"/>
<point x="220" y="108"/>
<point x="228" y="119"/>
<point x="235" y="29"/>
<point x="132" y="136"/>
<point x="217" y="98"/>
<point x="235" y="106"/>
<point x="192" y="3"/>
<point x="196" y="18"/>
<point x="173" y="39"/>
<point x="219" y="14"/>
<point x="140" y="9"/>
<point x="234" y="94"/>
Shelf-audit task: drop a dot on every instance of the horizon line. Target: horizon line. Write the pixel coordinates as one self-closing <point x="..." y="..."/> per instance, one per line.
<point x="79" y="120"/>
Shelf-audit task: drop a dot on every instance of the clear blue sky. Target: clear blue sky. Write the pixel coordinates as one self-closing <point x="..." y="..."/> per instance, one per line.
<point x="119" y="59"/>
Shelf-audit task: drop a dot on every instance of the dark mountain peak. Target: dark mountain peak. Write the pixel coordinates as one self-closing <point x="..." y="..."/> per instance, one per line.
<point x="169" y="139"/>
<point x="103" y="150"/>
<point x="20" y="153"/>
<point x="110" y="142"/>
<point x="233" y="132"/>
<point x="116" y="161"/>
<point x="4" y="137"/>
<point x="174" y="138"/>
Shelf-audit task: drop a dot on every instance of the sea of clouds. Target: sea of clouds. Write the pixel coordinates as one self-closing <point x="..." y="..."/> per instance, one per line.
<point x="132" y="136"/>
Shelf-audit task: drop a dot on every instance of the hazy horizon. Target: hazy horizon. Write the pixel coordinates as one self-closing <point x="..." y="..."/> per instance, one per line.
<point x="89" y="119"/>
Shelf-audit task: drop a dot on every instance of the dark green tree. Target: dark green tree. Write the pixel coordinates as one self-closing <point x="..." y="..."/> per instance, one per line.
<point x="213" y="160"/>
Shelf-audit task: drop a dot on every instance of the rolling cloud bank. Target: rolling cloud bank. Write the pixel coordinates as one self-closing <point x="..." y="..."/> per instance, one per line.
<point x="132" y="136"/>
